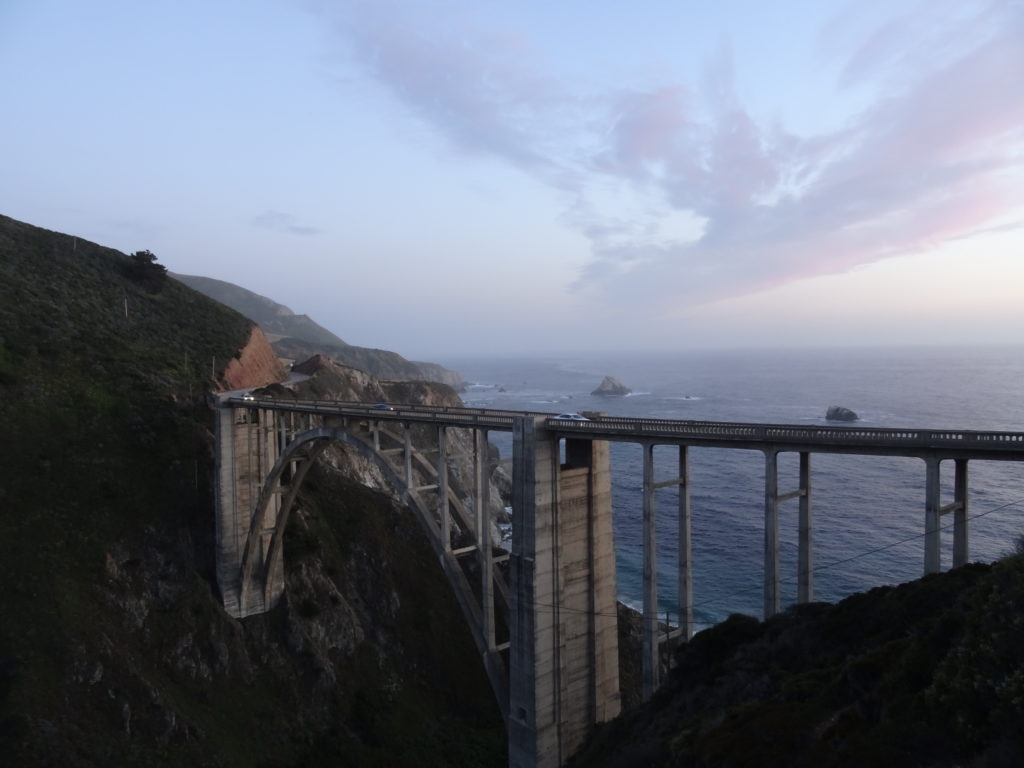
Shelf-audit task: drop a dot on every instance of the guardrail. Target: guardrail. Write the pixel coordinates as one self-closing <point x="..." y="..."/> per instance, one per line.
<point x="760" y="434"/>
<point x="1009" y="445"/>
<point x="447" y="415"/>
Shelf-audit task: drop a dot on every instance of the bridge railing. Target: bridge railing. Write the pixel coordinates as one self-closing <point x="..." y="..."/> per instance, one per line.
<point x="875" y="437"/>
<point x="615" y="427"/>
<point x="449" y="415"/>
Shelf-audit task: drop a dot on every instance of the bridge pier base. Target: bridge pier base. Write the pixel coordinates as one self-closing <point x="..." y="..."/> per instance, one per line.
<point x="564" y="674"/>
<point x="248" y="445"/>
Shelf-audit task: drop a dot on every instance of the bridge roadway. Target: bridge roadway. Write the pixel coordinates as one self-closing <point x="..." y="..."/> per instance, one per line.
<point x="872" y="441"/>
<point x="931" y="445"/>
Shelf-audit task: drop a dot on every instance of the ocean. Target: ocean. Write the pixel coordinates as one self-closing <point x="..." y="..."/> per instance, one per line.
<point x="868" y="511"/>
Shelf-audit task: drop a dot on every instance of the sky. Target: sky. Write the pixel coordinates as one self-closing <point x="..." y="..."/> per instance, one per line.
<point x="456" y="178"/>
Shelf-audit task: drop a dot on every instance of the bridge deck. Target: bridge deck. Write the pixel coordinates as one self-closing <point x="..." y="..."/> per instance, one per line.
<point x="941" y="443"/>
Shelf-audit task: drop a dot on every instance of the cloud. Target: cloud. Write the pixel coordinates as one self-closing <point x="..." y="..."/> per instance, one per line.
<point x="282" y="222"/>
<point x="472" y="84"/>
<point x="935" y="157"/>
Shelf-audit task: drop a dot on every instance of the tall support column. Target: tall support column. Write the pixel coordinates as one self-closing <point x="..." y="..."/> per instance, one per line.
<point x="407" y="455"/>
<point x="771" y="534"/>
<point x="485" y="550"/>
<point x="805" y="555"/>
<point x="685" y="548"/>
<point x="247" y="449"/>
<point x="932" y="541"/>
<point x="960" y="547"/>
<point x="649" y="666"/>
<point x="533" y="732"/>
<point x="442" y="487"/>
<point x="564" y="639"/>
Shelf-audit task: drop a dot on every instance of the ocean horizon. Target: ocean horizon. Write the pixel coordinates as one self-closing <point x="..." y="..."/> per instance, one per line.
<point x="868" y="511"/>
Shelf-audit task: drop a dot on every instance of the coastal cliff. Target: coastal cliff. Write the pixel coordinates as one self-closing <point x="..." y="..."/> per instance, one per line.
<point x="114" y="647"/>
<point x="255" y="366"/>
<point x="297" y="337"/>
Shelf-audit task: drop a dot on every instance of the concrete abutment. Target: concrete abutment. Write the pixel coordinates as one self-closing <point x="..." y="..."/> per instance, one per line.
<point x="564" y="675"/>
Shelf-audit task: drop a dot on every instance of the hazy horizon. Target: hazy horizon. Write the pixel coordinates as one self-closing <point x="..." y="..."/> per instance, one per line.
<point x="449" y="178"/>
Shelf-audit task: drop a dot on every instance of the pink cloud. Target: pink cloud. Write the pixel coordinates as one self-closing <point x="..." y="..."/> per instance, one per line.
<point x="648" y="128"/>
<point x="935" y="157"/>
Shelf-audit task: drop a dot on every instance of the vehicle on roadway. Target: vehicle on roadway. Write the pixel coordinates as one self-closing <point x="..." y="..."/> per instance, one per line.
<point x="382" y="407"/>
<point x="572" y="417"/>
<point x="248" y="396"/>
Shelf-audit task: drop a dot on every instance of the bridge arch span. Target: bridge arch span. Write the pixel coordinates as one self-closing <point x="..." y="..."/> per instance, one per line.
<point x="262" y="564"/>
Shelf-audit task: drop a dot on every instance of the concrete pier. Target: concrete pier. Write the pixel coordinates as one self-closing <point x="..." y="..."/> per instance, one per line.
<point x="685" y="544"/>
<point x="564" y="645"/>
<point x="934" y="511"/>
<point x="248" y="443"/>
<point x="805" y="556"/>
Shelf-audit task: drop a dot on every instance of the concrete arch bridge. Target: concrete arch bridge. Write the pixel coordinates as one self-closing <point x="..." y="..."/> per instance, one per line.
<point x="543" y="616"/>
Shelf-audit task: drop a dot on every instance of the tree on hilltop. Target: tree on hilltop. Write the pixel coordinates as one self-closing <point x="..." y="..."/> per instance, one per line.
<point x="143" y="269"/>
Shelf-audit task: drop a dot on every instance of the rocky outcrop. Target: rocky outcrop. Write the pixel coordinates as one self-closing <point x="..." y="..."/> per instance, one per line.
<point x="256" y="365"/>
<point x="611" y="387"/>
<point x="839" y="413"/>
<point x="298" y="337"/>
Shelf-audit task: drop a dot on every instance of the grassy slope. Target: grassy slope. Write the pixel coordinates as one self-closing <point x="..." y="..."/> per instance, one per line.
<point x="113" y="647"/>
<point x="103" y="413"/>
<point x="102" y="437"/>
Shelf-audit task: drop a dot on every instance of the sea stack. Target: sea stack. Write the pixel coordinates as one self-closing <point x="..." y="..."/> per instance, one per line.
<point x="611" y="387"/>
<point x="839" y="413"/>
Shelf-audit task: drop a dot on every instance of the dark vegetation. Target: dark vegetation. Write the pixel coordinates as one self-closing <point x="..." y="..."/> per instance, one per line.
<point x="929" y="673"/>
<point x="444" y="714"/>
<point x="102" y="398"/>
<point x="114" y="649"/>
<point x="144" y="270"/>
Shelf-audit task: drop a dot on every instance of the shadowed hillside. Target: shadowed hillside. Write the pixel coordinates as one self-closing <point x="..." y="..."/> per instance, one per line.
<point x="113" y="647"/>
<point x="929" y="673"/>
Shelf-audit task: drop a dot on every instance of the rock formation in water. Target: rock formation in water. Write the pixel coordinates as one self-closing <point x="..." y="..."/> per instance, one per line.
<point x="611" y="387"/>
<point x="839" y="413"/>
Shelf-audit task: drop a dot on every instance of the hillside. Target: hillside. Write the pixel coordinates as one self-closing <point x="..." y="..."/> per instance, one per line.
<point x="275" y="319"/>
<point x="298" y="337"/>
<point x="114" y="649"/>
<point x="929" y="673"/>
